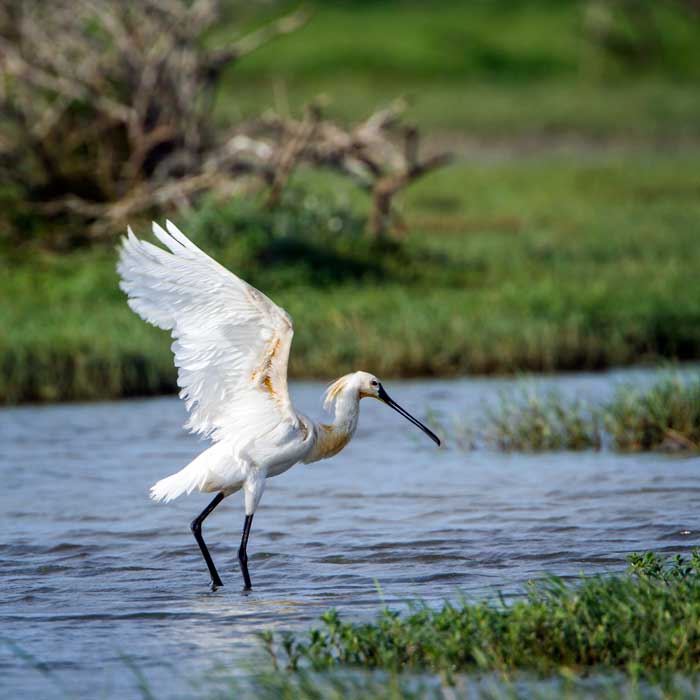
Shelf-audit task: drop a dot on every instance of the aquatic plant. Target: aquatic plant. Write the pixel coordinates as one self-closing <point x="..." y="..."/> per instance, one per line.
<point x="644" y="623"/>
<point x="357" y="684"/>
<point x="664" y="416"/>
<point x="634" y="636"/>
<point x="535" y="421"/>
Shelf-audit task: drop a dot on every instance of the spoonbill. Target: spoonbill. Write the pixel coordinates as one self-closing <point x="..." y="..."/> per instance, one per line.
<point x="231" y="347"/>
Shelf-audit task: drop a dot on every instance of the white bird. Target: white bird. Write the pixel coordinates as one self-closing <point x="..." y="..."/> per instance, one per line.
<point x="231" y="347"/>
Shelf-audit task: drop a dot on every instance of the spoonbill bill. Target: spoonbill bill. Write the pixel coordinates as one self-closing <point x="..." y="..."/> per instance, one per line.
<point x="231" y="347"/>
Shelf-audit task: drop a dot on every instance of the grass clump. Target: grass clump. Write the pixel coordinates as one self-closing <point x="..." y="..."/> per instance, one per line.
<point x="532" y="421"/>
<point x="309" y="240"/>
<point x="645" y="623"/>
<point x="664" y="416"/>
<point x="305" y="240"/>
<point x="358" y="684"/>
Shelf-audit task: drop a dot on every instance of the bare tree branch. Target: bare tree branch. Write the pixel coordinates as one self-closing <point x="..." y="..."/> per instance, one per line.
<point x="107" y="112"/>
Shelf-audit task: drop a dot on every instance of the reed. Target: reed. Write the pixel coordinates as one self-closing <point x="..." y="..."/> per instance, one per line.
<point x="535" y="421"/>
<point x="664" y="416"/>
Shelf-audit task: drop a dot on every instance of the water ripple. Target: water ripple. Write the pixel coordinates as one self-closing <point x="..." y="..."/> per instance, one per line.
<point x="92" y="571"/>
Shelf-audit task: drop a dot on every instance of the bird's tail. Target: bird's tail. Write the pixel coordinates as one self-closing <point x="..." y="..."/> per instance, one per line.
<point x="184" y="481"/>
<point x="196" y="475"/>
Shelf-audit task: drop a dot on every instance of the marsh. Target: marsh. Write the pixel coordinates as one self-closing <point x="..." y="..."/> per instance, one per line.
<point x="96" y="576"/>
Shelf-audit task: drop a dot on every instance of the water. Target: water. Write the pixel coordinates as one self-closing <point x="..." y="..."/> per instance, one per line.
<point x="100" y="585"/>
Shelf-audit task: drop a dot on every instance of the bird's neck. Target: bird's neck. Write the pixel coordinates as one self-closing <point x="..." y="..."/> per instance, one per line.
<point x="331" y="439"/>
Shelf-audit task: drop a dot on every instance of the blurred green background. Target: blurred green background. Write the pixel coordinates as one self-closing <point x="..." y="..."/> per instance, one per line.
<point x="564" y="235"/>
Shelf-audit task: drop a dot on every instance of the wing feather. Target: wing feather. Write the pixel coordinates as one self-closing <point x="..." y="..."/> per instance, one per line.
<point x="231" y="343"/>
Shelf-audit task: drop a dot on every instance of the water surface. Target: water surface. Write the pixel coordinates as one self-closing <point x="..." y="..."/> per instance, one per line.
<point x="98" y="581"/>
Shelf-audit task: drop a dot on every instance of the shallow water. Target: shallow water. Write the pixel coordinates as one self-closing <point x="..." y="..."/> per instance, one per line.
<point x="100" y="585"/>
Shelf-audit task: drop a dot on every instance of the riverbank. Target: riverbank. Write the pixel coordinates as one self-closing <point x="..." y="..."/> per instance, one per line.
<point x="643" y="623"/>
<point x="564" y="237"/>
<point x="533" y="264"/>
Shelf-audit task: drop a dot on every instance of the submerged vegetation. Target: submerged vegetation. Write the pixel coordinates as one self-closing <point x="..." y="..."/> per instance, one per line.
<point x="645" y="623"/>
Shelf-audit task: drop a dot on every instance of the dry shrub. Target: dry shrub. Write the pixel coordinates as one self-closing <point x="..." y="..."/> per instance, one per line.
<point x="107" y="112"/>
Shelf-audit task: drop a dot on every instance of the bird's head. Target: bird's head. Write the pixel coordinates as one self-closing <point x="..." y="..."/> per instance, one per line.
<point x="369" y="386"/>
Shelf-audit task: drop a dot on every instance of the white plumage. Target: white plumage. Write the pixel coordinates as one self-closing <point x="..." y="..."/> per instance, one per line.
<point x="231" y="346"/>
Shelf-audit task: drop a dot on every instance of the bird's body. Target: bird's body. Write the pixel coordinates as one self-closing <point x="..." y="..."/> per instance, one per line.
<point x="231" y="347"/>
<point x="227" y="469"/>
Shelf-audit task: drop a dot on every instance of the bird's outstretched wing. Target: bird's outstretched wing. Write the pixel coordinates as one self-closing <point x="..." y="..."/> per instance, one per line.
<point x="231" y="343"/>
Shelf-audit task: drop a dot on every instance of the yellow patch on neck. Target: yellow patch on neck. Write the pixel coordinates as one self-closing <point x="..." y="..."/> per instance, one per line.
<point x="330" y="441"/>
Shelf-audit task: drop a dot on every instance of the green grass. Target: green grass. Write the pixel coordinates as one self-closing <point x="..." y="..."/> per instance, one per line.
<point x="512" y="40"/>
<point x="633" y="636"/>
<point x="357" y="684"/>
<point x="645" y="624"/>
<point x="481" y="68"/>
<point x="536" y="422"/>
<point x="502" y="119"/>
<point x="629" y="636"/>
<point x="521" y="256"/>
<point x="543" y="265"/>
<point x="663" y="417"/>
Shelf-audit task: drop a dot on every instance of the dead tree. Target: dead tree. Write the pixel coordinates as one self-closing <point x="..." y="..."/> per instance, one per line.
<point x="107" y="105"/>
<point x="380" y="155"/>
<point x="107" y="112"/>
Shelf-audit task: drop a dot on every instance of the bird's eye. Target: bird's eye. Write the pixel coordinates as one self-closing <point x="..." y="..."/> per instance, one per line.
<point x="374" y="382"/>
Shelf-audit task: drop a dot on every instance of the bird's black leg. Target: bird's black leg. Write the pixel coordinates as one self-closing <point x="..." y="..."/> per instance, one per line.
<point x="243" y="554"/>
<point x="196" y="526"/>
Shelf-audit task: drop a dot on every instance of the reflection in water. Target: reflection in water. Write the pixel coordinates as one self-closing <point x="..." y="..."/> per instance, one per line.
<point x="93" y="572"/>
